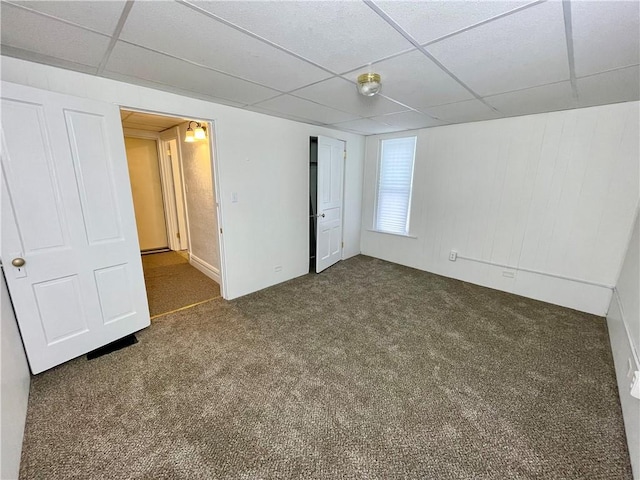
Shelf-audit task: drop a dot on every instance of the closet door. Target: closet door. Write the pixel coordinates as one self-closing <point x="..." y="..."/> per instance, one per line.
<point x="330" y="180"/>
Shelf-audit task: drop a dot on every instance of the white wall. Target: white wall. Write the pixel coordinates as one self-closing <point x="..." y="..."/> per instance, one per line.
<point x="623" y="320"/>
<point x="201" y="204"/>
<point x="264" y="159"/>
<point x="553" y="193"/>
<point x="16" y="378"/>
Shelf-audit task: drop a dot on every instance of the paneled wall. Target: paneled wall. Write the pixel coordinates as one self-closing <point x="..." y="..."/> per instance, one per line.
<point x="539" y="205"/>
<point x="623" y="320"/>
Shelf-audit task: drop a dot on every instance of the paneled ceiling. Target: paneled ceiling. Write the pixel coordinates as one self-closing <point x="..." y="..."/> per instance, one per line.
<point x="147" y="121"/>
<point x="441" y="62"/>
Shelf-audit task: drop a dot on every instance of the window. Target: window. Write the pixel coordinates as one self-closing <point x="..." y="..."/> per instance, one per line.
<point x="394" y="185"/>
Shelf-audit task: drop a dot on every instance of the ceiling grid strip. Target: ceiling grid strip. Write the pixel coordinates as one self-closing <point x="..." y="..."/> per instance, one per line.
<point x="115" y="36"/>
<point x="424" y="51"/>
<point x="568" y="29"/>
<point x="252" y="35"/>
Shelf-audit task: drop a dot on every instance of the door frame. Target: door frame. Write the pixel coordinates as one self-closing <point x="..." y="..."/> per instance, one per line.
<point x="215" y="179"/>
<point x="178" y="214"/>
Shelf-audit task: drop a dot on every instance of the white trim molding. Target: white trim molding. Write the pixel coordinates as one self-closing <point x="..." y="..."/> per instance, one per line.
<point x="209" y="270"/>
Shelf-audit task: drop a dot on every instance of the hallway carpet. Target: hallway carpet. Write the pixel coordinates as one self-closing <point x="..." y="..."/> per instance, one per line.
<point x="369" y="370"/>
<point x="172" y="283"/>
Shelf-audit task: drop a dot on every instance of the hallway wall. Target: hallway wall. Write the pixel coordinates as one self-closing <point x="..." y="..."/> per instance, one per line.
<point x="201" y="205"/>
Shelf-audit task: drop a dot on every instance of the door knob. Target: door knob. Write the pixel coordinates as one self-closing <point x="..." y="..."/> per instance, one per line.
<point x="322" y="215"/>
<point x="18" y="262"/>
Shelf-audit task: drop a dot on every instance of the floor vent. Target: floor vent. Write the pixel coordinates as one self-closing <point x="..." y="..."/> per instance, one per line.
<point x="113" y="346"/>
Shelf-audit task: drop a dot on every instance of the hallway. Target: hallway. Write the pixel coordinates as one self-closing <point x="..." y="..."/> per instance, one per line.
<point x="172" y="283"/>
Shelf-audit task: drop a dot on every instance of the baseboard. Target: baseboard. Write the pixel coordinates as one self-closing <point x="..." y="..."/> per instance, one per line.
<point x="209" y="270"/>
<point x="625" y="360"/>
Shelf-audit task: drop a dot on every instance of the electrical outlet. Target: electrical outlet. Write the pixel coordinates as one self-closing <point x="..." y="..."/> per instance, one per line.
<point x="453" y="255"/>
<point x="635" y="385"/>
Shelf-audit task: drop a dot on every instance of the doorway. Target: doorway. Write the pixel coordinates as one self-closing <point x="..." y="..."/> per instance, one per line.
<point x="174" y="199"/>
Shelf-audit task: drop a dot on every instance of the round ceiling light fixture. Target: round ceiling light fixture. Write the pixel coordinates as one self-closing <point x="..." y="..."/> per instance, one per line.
<point x="369" y="84"/>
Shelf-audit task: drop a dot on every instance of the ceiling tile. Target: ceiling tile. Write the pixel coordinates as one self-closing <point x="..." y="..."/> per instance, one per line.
<point x="519" y="51"/>
<point x="142" y="126"/>
<point x="606" y="35"/>
<point x="365" y="126"/>
<point x="339" y="35"/>
<point x="546" y="98"/>
<point x="51" y="37"/>
<point x="137" y="62"/>
<point x="155" y="87"/>
<point x="153" y="120"/>
<point x="298" y="107"/>
<point x="343" y="95"/>
<point x="184" y="33"/>
<point x="467" y="111"/>
<point x="408" y="120"/>
<point x="621" y="85"/>
<point x="100" y="16"/>
<point x="426" y="21"/>
<point x="416" y="81"/>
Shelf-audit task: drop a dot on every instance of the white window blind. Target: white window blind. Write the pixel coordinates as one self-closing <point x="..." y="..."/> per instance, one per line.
<point x="394" y="185"/>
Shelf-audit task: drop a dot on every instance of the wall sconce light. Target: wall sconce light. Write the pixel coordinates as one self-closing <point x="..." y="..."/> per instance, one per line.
<point x="369" y="84"/>
<point x="197" y="134"/>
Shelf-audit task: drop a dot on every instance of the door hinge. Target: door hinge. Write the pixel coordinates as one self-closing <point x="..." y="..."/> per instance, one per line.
<point x="178" y="235"/>
<point x="342" y="244"/>
<point x="220" y="231"/>
<point x="345" y="154"/>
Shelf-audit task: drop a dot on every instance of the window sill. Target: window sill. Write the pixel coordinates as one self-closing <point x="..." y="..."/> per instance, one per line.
<point x="391" y="233"/>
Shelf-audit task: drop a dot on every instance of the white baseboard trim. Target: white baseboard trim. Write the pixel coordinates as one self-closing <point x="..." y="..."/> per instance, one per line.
<point x="209" y="270"/>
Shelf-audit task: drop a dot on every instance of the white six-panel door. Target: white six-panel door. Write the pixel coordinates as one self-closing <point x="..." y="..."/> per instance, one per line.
<point x="67" y="212"/>
<point x="330" y="175"/>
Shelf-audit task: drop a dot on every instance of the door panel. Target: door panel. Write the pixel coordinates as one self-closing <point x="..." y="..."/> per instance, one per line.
<point x="94" y="175"/>
<point x="114" y="292"/>
<point x="67" y="211"/>
<point x="29" y="167"/>
<point x="330" y="178"/>
<point x="60" y="307"/>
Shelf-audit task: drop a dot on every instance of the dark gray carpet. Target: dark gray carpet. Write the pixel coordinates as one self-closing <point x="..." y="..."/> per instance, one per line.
<point x="369" y="370"/>
<point x="172" y="283"/>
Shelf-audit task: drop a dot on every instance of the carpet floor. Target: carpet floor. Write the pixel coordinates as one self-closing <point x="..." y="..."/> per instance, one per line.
<point x="172" y="283"/>
<point x="369" y="370"/>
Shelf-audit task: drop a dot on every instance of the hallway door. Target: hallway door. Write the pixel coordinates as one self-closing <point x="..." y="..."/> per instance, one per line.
<point x="146" y="187"/>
